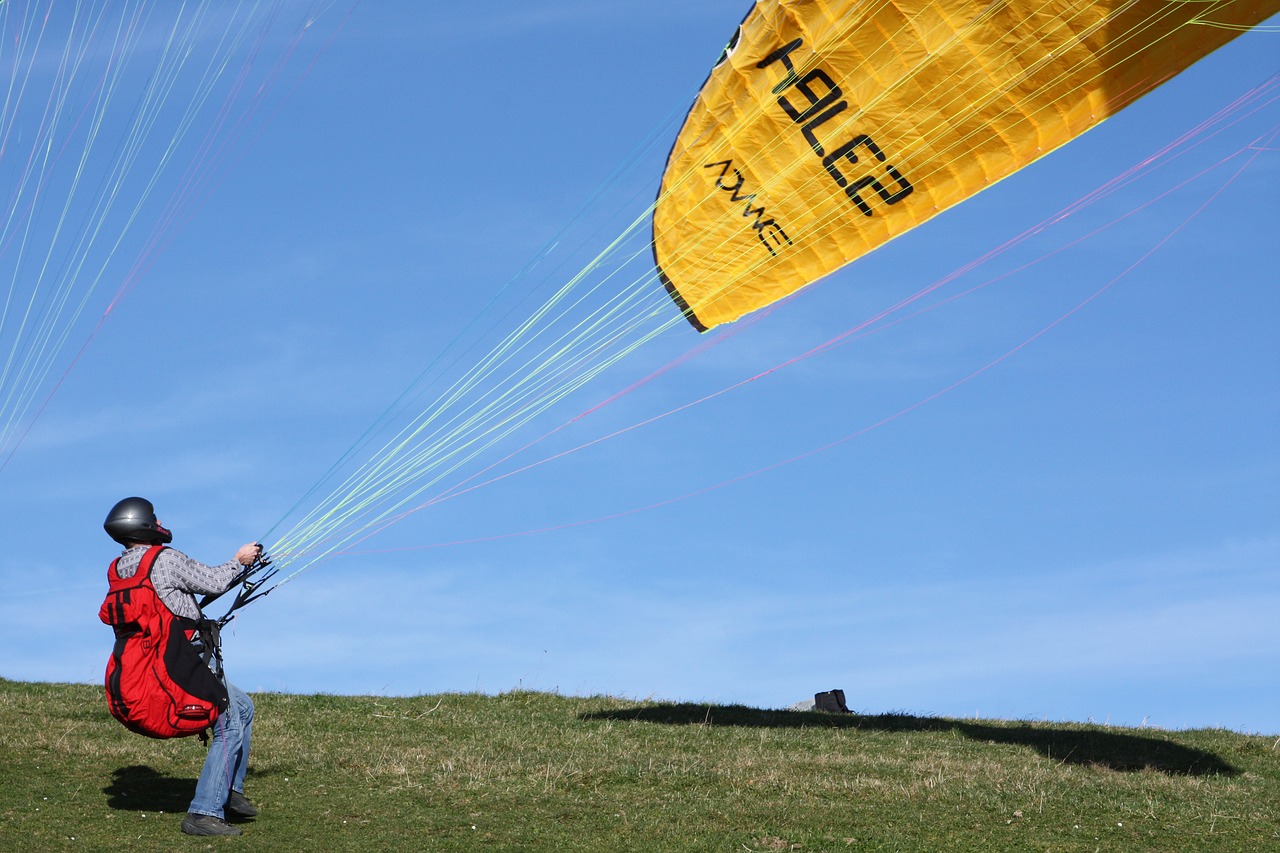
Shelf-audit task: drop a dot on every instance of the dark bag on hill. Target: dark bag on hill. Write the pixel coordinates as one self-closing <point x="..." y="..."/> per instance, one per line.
<point x="832" y="701"/>
<point x="158" y="683"/>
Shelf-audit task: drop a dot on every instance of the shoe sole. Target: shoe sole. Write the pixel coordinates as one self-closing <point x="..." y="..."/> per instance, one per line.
<point x="189" y="829"/>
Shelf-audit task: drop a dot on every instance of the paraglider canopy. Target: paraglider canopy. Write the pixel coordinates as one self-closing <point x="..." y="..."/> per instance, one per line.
<point x="830" y="128"/>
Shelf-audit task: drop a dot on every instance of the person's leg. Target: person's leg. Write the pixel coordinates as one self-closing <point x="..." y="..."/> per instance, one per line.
<point x="240" y="761"/>
<point x="238" y="806"/>
<point x="227" y="758"/>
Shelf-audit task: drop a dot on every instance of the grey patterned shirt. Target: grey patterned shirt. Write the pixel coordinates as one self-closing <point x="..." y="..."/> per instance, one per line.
<point x="178" y="579"/>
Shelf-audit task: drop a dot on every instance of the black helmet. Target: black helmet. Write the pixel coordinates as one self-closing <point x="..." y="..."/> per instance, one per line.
<point x="134" y="520"/>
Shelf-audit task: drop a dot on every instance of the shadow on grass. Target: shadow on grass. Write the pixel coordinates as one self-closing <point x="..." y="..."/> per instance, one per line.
<point x="141" y="789"/>
<point x="1084" y="745"/>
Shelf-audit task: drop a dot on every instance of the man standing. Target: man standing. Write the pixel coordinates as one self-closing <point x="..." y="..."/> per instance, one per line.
<point x="178" y="579"/>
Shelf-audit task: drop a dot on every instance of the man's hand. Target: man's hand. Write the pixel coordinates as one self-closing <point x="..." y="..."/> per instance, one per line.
<point x="248" y="553"/>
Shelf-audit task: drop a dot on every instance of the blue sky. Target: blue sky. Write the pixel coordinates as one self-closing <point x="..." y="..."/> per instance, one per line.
<point x="1086" y="529"/>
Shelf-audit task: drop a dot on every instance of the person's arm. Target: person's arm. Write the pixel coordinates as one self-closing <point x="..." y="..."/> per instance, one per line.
<point x="194" y="577"/>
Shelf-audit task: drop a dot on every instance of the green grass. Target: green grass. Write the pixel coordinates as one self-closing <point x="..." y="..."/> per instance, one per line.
<point x="536" y="771"/>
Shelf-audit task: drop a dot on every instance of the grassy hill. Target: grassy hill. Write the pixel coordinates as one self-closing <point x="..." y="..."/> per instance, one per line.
<point x="542" y="772"/>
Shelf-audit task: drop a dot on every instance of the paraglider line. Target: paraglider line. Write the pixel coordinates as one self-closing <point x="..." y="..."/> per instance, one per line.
<point x="851" y="436"/>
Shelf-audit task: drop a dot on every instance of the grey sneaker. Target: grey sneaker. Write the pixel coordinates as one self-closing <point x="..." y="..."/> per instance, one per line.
<point x="238" y="806"/>
<point x="207" y="824"/>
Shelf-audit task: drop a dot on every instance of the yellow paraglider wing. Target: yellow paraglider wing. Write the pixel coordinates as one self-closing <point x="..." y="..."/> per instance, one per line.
<point x="832" y="126"/>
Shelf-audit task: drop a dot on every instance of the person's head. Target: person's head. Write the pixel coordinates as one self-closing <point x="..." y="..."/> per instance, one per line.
<point x="133" y="521"/>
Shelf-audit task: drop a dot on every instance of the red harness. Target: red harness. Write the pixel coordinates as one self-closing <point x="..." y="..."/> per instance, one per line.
<point x="158" y="683"/>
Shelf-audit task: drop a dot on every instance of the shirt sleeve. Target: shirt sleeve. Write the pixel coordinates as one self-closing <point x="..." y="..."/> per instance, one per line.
<point x="178" y="579"/>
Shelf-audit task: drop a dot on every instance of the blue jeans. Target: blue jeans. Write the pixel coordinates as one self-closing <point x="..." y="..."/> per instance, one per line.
<point x="228" y="758"/>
